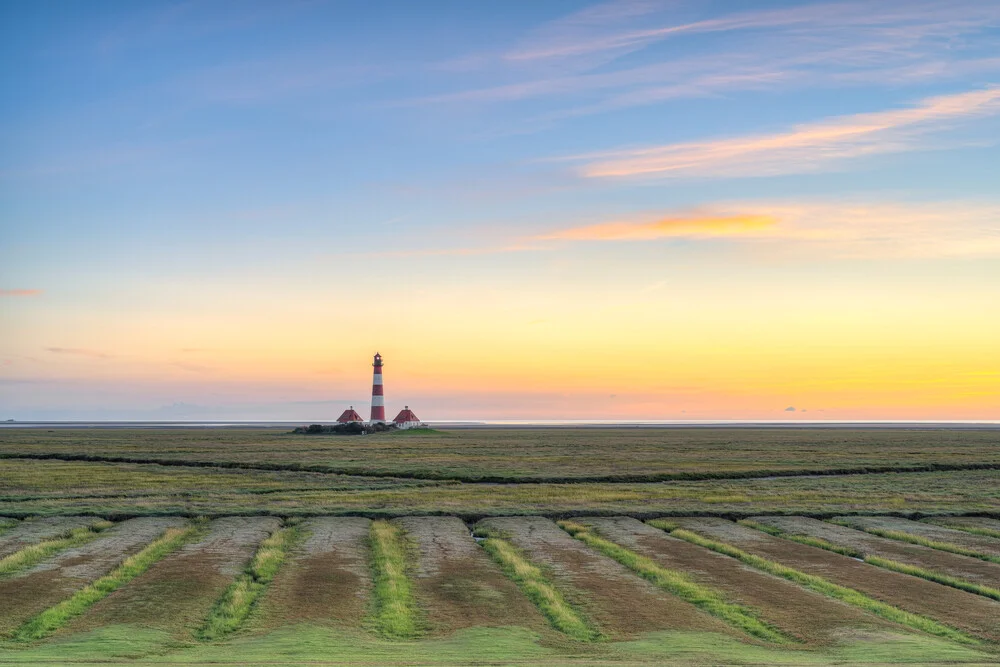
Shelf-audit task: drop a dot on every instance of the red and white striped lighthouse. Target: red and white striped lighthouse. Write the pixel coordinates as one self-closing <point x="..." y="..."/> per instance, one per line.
<point x="378" y="398"/>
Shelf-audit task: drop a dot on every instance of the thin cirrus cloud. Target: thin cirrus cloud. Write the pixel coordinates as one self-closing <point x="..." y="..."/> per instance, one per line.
<point x="80" y="352"/>
<point x="21" y="292"/>
<point x="821" y="228"/>
<point x="683" y="227"/>
<point x="804" y="148"/>
<point x="574" y="60"/>
<point x="623" y="26"/>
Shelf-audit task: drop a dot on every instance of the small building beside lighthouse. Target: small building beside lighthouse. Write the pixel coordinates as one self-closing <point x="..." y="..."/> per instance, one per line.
<point x="350" y="416"/>
<point x="406" y="419"/>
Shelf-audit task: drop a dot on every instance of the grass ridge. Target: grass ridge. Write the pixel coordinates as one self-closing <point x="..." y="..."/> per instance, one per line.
<point x="536" y="586"/>
<point x="395" y="614"/>
<point x="506" y="479"/>
<point x="903" y="536"/>
<point x="825" y="587"/>
<point x="235" y="605"/>
<point x="55" y="617"/>
<point x="677" y="583"/>
<point x="33" y="554"/>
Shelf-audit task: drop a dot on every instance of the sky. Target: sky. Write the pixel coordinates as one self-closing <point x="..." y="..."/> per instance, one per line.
<point x="625" y="210"/>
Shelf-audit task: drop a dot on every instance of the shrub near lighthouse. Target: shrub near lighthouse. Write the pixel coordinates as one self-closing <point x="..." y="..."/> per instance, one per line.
<point x="378" y="397"/>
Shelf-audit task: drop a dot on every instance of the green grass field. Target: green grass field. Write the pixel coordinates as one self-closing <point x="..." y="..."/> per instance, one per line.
<point x="365" y="593"/>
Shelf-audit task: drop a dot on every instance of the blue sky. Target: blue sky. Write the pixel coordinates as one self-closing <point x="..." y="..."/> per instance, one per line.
<point x="285" y="185"/>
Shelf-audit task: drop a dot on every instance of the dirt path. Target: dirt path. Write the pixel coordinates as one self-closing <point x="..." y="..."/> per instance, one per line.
<point x="619" y="602"/>
<point x="963" y="567"/>
<point x="459" y="585"/>
<point x="33" y="531"/>
<point x="326" y="580"/>
<point x="177" y="593"/>
<point x="809" y="616"/>
<point x="55" y="579"/>
<point x="972" y="613"/>
<point x="986" y="545"/>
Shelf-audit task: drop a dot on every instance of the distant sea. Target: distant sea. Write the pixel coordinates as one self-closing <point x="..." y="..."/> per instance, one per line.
<point x="539" y="423"/>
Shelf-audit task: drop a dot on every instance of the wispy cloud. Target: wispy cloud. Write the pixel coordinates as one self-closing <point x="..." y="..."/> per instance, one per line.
<point x="80" y="351"/>
<point x="460" y="252"/>
<point x="600" y="29"/>
<point x="687" y="227"/>
<point x="806" y="147"/>
<point x="577" y="61"/>
<point x="836" y="229"/>
<point x="21" y="292"/>
<point x="814" y="228"/>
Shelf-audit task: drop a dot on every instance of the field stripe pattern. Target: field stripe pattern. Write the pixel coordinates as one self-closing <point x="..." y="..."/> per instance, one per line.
<point x="612" y="598"/>
<point x="679" y="584"/>
<point x="326" y="579"/>
<point x="24" y="533"/>
<point x="973" y="576"/>
<point x="980" y="526"/>
<point x="536" y="586"/>
<point x="55" y="617"/>
<point x="239" y="600"/>
<point x="29" y="592"/>
<point x="914" y="532"/>
<point x="828" y="588"/>
<point x="177" y="594"/>
<point x="395" y="614"/>
<point x="457" y="582"/>
<point x="36" y="553"/>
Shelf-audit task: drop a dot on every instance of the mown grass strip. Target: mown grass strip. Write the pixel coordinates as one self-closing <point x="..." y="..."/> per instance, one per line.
<point x="878" y="561"/>
<point x="536" y="586"/>
<point x="53" y="618"/>
<point x="903" y="536"/>
<point x="395" y="613"/>
<point x="237" y="602"/>
<point x="972" y="530"/>
<point x="808" y="540"/>
<point x="679" y="584"/>
<point x="820" y="585"/>
<point x="35" y="553"/>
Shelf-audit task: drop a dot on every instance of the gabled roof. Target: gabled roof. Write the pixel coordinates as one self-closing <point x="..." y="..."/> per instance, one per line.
<point x="349" y="416"/>
<point x="406" y="415"/>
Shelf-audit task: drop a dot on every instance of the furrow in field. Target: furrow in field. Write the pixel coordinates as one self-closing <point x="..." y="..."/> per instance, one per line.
<point x="177" y="593"/>
<point x="990" y="546"/>
<point x="618" y="601"/>
<point x="458" y="584"/>
<point x="326" y="579"/>
<point x="32" y="531"/>
<point x="806" y="615"/>
<point x="27" y="593"/>
<point x="974" y="614"/>
<point x="866" y="544"/>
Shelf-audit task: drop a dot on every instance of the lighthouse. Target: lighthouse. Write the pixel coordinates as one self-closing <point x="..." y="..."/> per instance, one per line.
<point x="378" y="398"/>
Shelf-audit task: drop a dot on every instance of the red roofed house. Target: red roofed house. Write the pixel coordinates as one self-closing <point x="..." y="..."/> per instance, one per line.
<point x="349" y="416"/>
<point x="406" y="419"/>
